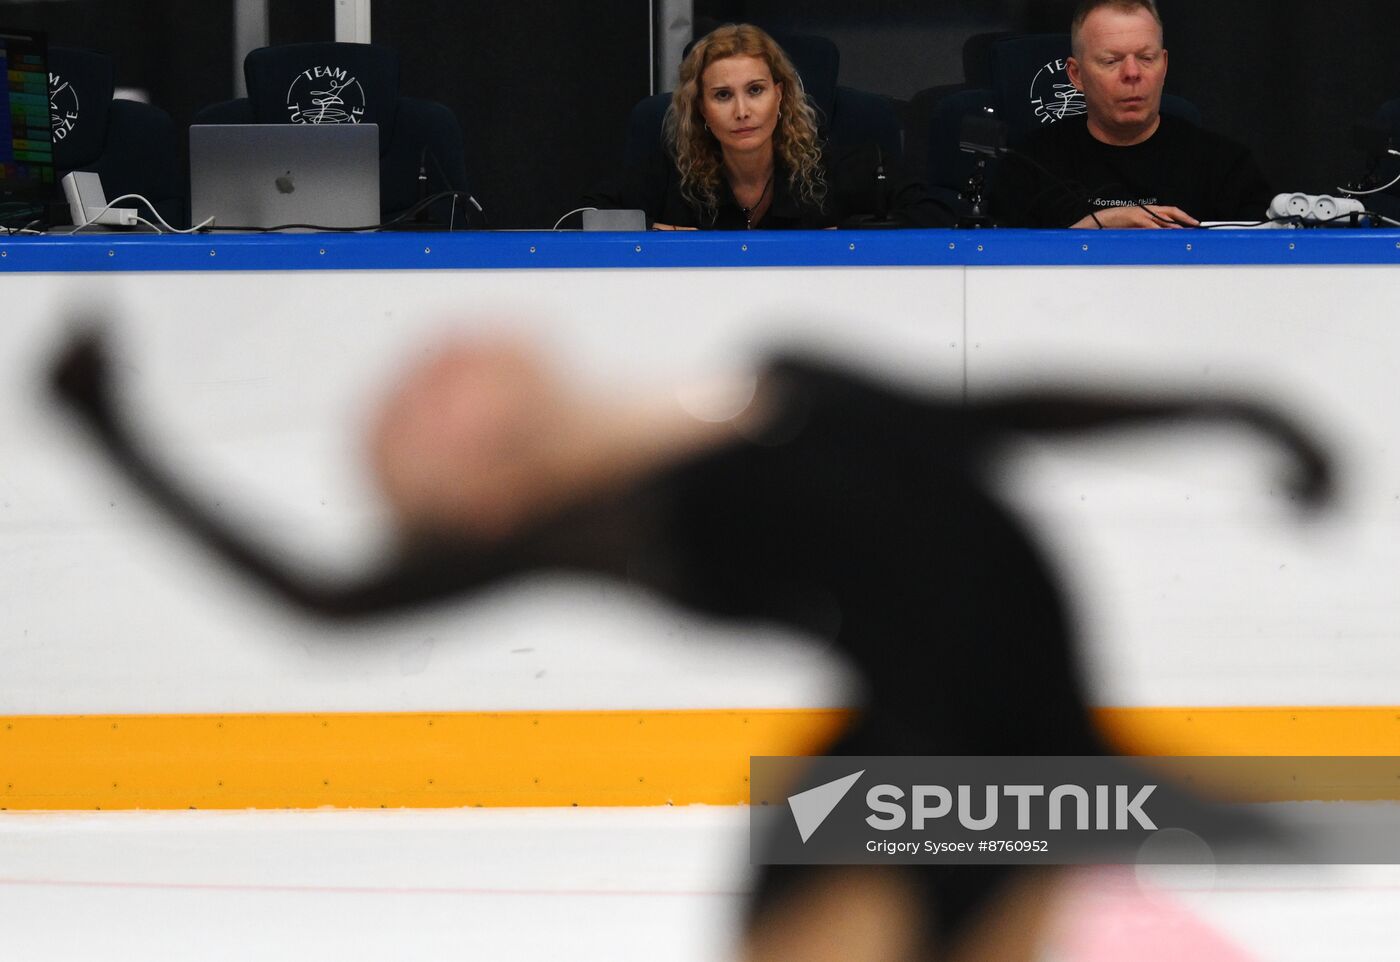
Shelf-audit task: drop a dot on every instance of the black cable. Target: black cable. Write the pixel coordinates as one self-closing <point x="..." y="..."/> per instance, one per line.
<point x="1253" y="223"/>
<point x="1383" y="218"/>
<point x="1080" y="192"/>
<point x="1153" y="214"/>
<point x="471" y="200"/>
<point x="412" y="211"/>
<point x="320" y="228"/>
<point x="1077" y="190"/>
<point x="30" y="226"/>
<point x="1074" y="188"/>
<point x="425" y="202"/>
<point x="447" y="183"/>
<point x="15" y="209"/>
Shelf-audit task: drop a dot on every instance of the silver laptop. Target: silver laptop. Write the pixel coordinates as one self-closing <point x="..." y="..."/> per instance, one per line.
<point x="268" y="175"/>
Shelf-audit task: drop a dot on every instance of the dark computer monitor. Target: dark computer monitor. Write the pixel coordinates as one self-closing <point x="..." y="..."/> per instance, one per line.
<point x="26" y="134"/>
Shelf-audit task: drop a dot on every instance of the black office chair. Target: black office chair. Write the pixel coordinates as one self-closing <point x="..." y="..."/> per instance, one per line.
<point x="1019" y="77"/>
<point x="859" y="117"/>
<point x="932" y="118"/>
<point x="1388" y="116"/>
<point x="134" y="147"/>
<point x="331" y="83"/>
<point x="818" y="63"/>
<point x="948" y="167"/>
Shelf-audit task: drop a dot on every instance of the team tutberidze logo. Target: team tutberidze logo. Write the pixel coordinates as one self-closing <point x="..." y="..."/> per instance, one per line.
<point x="325" y="95"/>
<point x="63" y="107"/>
<point x="1053" y="97"/>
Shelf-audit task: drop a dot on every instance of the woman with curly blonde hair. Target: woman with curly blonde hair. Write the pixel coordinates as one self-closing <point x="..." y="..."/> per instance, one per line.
<point x="742" y="151"/>
<point x="727" y="120"/>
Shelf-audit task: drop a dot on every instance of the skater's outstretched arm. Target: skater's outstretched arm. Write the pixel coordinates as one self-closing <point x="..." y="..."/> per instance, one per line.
<point x="492" y="467"/>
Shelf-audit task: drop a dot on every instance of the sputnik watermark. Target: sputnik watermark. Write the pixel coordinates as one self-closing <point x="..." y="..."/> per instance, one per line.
<point x="1068" y="810"/>
<point x="810" y="808"/>
<point x="1111" y="809"/>
<point x="890" y="815"/>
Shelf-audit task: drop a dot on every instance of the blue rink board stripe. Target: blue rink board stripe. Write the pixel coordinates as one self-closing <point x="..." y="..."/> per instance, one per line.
<point x="508" y="250"/>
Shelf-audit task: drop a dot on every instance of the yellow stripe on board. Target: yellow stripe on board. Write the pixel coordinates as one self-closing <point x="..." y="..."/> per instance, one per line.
<point x="1252" y="731"/>
<point x="554" y="758"/>
<point x="395" y="760"/>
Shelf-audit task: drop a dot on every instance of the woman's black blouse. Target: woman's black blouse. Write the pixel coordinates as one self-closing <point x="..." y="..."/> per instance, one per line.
<point x="854" y="191"/>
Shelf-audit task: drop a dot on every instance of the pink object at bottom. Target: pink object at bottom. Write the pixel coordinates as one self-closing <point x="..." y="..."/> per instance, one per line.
<point x="1109" y="915"/>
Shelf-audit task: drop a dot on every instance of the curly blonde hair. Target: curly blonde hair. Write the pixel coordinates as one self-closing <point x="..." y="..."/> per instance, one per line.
<point x="695" y="149"/>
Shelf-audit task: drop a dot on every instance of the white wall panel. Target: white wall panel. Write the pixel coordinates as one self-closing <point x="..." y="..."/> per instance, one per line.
<point x="258" y="385"/>
<point x="1194" y="578"/>
<point x="1196" y="581"/>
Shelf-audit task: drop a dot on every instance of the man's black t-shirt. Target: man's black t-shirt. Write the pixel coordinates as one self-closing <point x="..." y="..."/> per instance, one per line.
<point x="1181" y="165"/>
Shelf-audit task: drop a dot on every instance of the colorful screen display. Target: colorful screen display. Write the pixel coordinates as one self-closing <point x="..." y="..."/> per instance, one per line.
<point x="26" y="136"/>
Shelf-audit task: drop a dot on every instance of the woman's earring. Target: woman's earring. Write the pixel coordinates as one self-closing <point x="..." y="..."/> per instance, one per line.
<point x="707" y="128"/>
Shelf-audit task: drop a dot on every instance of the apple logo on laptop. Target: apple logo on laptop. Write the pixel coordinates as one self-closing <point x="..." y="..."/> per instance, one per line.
<point x="284" y="183"/>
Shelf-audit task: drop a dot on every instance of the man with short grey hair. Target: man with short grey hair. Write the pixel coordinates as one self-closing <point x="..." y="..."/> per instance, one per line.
<point x="1124" y="164"/>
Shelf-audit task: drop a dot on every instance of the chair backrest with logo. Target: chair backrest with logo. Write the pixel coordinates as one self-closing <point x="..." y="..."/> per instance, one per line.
<point x="1032" y="89"/>
<point x="1031" y="83"/>
<point x="325" y="83"/>
<point x="134" y="147"/>
<point x="336" y="83"/>
<point x="81" y="83"/>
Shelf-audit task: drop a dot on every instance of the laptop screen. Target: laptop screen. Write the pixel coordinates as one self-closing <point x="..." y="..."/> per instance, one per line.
<point x="26" y="136"/>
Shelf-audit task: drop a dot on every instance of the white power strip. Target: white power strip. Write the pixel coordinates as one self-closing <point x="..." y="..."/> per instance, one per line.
<point x="1314" y="208"/>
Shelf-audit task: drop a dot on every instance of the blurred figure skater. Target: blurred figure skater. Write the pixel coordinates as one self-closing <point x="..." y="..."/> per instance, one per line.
<point x="830" y="503"/>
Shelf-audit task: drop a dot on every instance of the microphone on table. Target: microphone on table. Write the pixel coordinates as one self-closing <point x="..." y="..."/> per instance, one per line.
<point x="423" y="208"/>
<point x="983" y="134"/>
<point x="880" y="219"/>
<point x="423" y="214"/>
<point x="881" y="201"/>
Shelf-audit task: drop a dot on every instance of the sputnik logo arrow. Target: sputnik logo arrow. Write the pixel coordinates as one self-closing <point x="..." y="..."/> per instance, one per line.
<point x="810" y="808"/>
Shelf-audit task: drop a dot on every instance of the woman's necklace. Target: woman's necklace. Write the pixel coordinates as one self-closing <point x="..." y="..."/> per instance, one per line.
<point x="748" y="212"/>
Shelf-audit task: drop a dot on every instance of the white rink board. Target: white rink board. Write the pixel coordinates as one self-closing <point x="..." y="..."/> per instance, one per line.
<point x="1193" y="584"/>
<point x="1195" y="580"/>
<point x="259" y="386"/>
